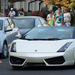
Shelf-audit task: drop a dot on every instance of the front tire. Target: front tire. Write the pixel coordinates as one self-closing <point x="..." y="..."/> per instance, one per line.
<point x="4" y="51"/>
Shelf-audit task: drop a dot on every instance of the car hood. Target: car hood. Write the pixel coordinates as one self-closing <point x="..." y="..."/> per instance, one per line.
<point x="23" y="31"/>
<point x="40" y="46"/>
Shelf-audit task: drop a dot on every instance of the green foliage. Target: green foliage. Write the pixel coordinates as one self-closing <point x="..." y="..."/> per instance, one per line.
<point x="72" y="5"/>
<point x="27" y="13"/>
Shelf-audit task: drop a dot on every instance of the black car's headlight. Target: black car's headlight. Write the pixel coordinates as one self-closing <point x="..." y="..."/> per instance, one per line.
<point x="13" y="47"/>
<point x="63" y="48"/>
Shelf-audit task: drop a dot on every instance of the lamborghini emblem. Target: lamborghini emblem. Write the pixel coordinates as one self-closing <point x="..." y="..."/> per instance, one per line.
<point x="35" y="50"/>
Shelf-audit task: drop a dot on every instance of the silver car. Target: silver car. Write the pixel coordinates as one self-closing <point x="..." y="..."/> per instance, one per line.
<point x="8" y="31"/>
<point x="26" y="23"/>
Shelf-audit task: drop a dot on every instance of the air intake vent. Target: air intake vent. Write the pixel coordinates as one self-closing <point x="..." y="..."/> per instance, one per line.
<point x="15" y="60"/>
<point x="56" y="60"/>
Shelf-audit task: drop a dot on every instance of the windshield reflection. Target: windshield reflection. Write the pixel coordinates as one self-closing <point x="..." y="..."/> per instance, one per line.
<point x="49" y="33"/>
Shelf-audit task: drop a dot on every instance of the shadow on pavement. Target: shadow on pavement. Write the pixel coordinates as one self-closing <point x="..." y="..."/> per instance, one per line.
<point x="34" y="68"/>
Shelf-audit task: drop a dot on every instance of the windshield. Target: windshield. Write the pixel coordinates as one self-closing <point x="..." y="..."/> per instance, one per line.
<point x="1" y="24"/>
<point x="50" y="33"/>
<point x="24" y="23"/>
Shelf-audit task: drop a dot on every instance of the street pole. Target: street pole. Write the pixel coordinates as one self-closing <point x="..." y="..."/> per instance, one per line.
<point x="4" y="5"/>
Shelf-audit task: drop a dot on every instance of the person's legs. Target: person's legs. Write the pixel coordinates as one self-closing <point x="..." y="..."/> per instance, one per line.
<point x="57" y="24"/>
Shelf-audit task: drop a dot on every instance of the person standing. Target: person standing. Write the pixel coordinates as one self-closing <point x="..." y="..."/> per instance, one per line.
<point x="50" y="12"/>
<point x="2" y="14"/>
<point x="59" y="9"/>
<point x="20" y="13"/>
<point x="50" y="19"/>
<point x="59" y="19"/>
<point x="68" y="23"/>
<point x="66" y="15"/>
<point x="11" y="13"/>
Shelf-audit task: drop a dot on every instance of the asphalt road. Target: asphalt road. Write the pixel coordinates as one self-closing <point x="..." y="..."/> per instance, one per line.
<point x="6" y="69"/>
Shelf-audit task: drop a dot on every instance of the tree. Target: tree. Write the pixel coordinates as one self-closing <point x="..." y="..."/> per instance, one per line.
<point x="72" y="5"/>
<point x="65" y="3"/>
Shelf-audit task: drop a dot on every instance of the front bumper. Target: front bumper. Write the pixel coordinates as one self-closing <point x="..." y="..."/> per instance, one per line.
<point x="49" y="59"/>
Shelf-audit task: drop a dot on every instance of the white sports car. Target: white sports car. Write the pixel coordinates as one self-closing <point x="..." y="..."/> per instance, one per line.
<point x="49" y="46"/>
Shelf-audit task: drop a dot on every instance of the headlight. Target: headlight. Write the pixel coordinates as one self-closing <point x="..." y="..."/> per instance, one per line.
<point x="63" y="48"/>
<point x="13" y="47"/>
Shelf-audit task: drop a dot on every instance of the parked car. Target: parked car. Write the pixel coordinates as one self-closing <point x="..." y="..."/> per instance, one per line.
<point x="26" y="23"/>
<point x="8" y="31"/>
<point x="49" y="46"/>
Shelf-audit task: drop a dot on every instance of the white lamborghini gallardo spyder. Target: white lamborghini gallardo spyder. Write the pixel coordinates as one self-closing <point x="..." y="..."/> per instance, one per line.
<point x="49" y="46"/>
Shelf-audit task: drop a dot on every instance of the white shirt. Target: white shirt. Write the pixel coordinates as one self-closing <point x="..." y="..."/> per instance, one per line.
<point x="11" y="13"/>
<point x="57" y="24"/>
<point x="49" y="16"/>
<point x="66" y="16"/>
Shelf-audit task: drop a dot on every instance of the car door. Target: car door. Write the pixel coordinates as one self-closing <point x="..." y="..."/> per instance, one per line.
<point x="38" y="23"/>
<point x="8" y="34"/>
<point x="14" y="29"/>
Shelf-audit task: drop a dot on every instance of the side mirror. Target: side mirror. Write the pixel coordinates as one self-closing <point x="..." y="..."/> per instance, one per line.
<point x="8" y="29"/>
<point x="18" y="36"/>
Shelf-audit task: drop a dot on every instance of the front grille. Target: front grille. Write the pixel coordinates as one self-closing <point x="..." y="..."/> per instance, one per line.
<point x="55" y="60"/>
<point x="15" y="60"/>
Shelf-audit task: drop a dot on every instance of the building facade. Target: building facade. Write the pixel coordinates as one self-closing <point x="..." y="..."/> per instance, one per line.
<point x="33" y="5"/>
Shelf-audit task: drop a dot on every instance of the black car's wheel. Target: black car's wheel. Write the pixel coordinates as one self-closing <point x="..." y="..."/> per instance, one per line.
<point x="5" y="51"/>
<point x="17" y="67"/>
